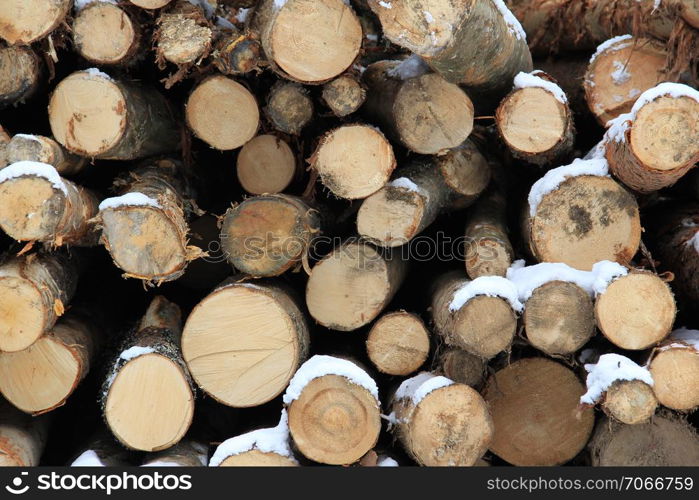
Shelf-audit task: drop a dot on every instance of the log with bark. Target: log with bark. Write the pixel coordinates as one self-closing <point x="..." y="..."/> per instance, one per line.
<point x="441" y="423"/>
<point x="35" y="288"/>
<point x="139" y="412"/>
<point x="38" y="148"/>
<point x="23" y="22"/>
<point x="266" y="165"/>
<point x="344" y="95"/>
<point x="674" y="366"/>
<point x="289" y="107"/>
<point x="398" y="343"/>
<point x="38" y="205"/>
<point x="21" y="72"/>
<point x="237" y="52"/>
<point x="104" y="33"/>
<point x="351" y="285"/>
<point x="488" y="251"/>
<point x="244" y="341"/>
<point x="22" y="437"/>
<point x="463" y="367"/>
<point x="93" y="115"/>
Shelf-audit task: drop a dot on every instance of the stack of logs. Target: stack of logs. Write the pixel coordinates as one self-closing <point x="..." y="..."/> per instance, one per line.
<point x="287" y="232"/>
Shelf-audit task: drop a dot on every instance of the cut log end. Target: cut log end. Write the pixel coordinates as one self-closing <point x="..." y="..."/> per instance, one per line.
<point x="183" y="35"/>
<point x="391" y="216"/>
<point x="559" y="318"/>
<point x="20" y="74"/>
<point x="266" y="165"/>
<point x="22" y="313"/>
<point x="257" y="458"/>
<point x="675" y="374"/>
<point x="398" y="343"/>
<point x="313" y="40"/>
<point x="344" y="95"/>
<point x="586" y="220"/>
<point x="43" y="149"/>
<point x="484" y="326"/>
<point x="533" y="398"/>
<point x="222" y="113"/>
<point x="289" y="108"/>
<point x="334" y="421"/>
<point x="630" y="401"/>
<point x="463" y="367"/>
<point x="465" y="170"/>
<point x="23" y="22"/>
<point x="140" y="413"/>
<point x="354" y="161"/>
<point x="244" y="342"/>
<point x="103" y="33"/>
<point x="636" y="311"/>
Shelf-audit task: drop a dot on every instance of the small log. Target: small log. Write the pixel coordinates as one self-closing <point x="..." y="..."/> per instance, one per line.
<point x="398" y="343"/>
<point x="266" y="165"/>
<point x="333" y="419"/>
<point x="36" y="204"/>
<point x="483" y="325"/>
<point x="636" y="311"/>
<point x="222" y="113"/>
<point x="443" y="33"/>
<point x="675" y="370"/>
<point x="22" y="438"/>
<point x="441" y="423"/>
<point x="353" y="161"/>
<point x="666" y="441"/>
<point x="118" y="120"/>
<point x="630" y="402"/>
<point x="488" y="248"/>
<point x="559" y="318"/>
<point x="150" y="4"/>
<point x="344" y="95"/>
<point x="656" y="144"/>
<point x="463" y="367"/>
<point x="21" y="72"/>
<point x="534" y="405"/>
<point x="183" y="35"/>
<point x="23" y="22"/>
<point x="308" y="41"/>
<point x="42" y="377"/>
<point x="140" y="414"/>
<point x="37" y="148"/>
<point x="350" y="286"/>
<point x="622" y="70"/>
<point x="465" y="170"/>
<point x="268" y="235"/>
<point x="253" y="334"/>
<point x="145" y="228"/>
<point x="35" y="290"/>
<point x="535" y="120"/>
<point x="105" y="33"/>
<point x="289" y="107"/>
<point x="423" y="111"/>
<point x="186" y="453"/>
<point x="237" y="53"/>
<point x="585" y="219"/>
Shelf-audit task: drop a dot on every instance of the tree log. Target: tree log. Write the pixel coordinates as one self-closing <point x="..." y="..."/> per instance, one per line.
<point x="23" y="22"/>
<point x="636" y="311"/>
<point x="237" y="52"/>
<point x="36" y="204"/>
<point x="350" y="286"/>
<point x="398" y="343"/>
<point x="222" y="113"/>
<point x="534" y="404"/>
<point x="630" y="402"/>
<point x="21" y="72"/>
<point x="266" y="165"/>
<point x="22" y="438"/>
<point x="675" y="370"/>
<point x="423" y="111"/>
<point x="183" y="35"/>
<point x="105" y="33"/>
<point x="37" y="148"/>
<point x="289" y="107"/>
<point x="244" y="341"/>
<point x="443" y="34"/>
<point x="118" y="120"/>
<point x="488" y="248"/>
<point x="140" y="414"/>
<point x="150" y="4"/>
<point x="344" y="95"/>
<point x="35" y="290"/>
<point x="308" y="41"/>
<point x="463" y="367"/>
<point x="268" y="235"/>
<point x="353" y="161"/>
<point x="441" y="423"/>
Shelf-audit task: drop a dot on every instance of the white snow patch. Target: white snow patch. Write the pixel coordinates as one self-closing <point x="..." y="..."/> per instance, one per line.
<point x="598" y="152"/>
<point x="612" y="41"/>
<point x="694" y="240"/>
<point x="411" y="67"/>
<point x="161" y="463"/>
<point x="386" y="5"/>
<point x="491" y="286"/>
<point x="321" y="365"/>
<point x="634" y="93"/>
<point x="419" y="386"/>
<point x="555" y="177"/>
<point x="81" y="4"/>
<point x="372" y="37"/>
<point x="513" y="24"/>
<point x="134" y="352"/>
<point x="609" y="369"/>
<point x="97" y="73"/>
<point x="682" y="338"/>
<point x="134" y="199"/>
<point x="268" y="440"/>
<point x="384" y="461"/>
<point x="36" y="169"/>
<point x="29" y="137"/>
<point x="428" y="16"/>
<point x="404" y="182"/>
<point x="617" y="127"/>
<point x="88" y="459"/>
<point x="278" y="4"/>
<point x="527" y="279"/>
<point x="524" y="80"/>
<point x="621" y="74"/>
<point x="222" y="22"/>
<point x="242" y="15"/>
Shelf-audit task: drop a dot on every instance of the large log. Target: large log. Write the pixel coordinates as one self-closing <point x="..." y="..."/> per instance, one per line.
<point x="23" y="22"/>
